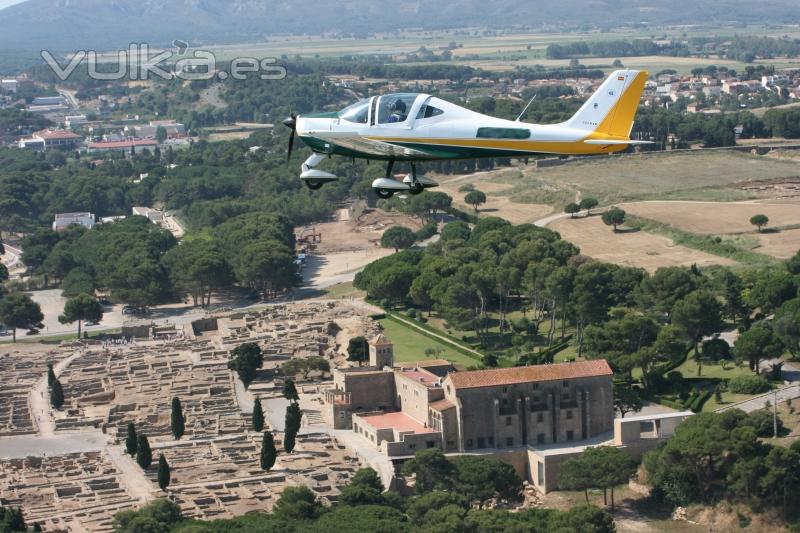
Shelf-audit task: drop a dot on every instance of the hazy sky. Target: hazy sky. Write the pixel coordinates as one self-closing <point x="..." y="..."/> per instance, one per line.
<point x="6" y="3"/>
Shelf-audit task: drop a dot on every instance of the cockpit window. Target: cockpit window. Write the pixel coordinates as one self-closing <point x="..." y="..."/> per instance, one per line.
<point x="428" y="111"/>
<point x="394" y="108"/>
<point x="358" y="112"/>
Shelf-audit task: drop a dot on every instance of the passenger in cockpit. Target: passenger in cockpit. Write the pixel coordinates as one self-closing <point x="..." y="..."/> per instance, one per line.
<point x="399" y="111"/>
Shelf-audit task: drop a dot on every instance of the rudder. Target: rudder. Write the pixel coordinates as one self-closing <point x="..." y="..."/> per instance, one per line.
<point x="610" y="111"/>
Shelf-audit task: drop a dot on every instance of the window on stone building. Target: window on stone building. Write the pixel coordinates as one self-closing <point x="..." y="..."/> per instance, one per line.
<point x="565" y="384"/>
<point x="535" y="386"/>
<point x="510" y="441"/>
<point x="430" y="444"/>
<point x="481" y="442"/>
<point x="469" y="443"/>
<point x="570" y="435"/>
<point x="412" y="446"/>
<point x="540" y="417"/>
<point x="540" y="438"/>
<point x="569" y="415"/>
<point x="491" y="441"/>
<point x="508" y="420"/>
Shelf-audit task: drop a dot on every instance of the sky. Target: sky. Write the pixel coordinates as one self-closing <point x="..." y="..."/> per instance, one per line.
<point x="6" y="3"/>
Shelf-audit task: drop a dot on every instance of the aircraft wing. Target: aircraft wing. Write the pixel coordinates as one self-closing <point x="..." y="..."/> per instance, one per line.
<point x="370" y="146"/>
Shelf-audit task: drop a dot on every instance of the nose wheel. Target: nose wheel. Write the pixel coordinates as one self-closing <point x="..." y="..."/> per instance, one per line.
<point x="384" y="194"/>
<point x="314" y="185"/>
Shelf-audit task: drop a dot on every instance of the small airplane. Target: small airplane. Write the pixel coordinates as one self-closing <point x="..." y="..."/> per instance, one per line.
<point x="419" y="127"/>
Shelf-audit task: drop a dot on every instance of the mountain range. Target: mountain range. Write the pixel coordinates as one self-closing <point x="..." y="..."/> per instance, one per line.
<point x="111" y="24"/>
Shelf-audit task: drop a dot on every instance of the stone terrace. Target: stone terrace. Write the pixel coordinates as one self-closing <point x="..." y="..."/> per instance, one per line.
<point x="65" y="491"/>
<point x="20" y="371"/>
<point x="223" y="478"/>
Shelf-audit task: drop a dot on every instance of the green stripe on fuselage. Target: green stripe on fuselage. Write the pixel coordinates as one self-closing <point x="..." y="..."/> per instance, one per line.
<point x="433" y="151"/>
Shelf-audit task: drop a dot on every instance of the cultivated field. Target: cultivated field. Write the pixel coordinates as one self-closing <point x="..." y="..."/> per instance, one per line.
<point x="715" y="217"/>
<point x="783" y="244"/>
<point x="498" y="203"/>
<point x="636" y="249"/>
<point x="698" y="175"/>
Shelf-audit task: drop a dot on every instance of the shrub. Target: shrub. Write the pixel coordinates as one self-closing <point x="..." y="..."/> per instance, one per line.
<point x="748" y="385"/>
<point x="763" y="421"/>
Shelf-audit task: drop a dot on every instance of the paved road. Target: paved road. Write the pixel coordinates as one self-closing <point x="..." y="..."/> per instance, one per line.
<point x="132" y="476"/>
<point x="40" y="399"/>
<point x="777" y="396"/>
<point x="63" y="443"/>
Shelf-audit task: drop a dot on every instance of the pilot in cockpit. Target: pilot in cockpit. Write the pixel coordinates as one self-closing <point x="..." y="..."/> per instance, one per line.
<point x="399" y="111"/>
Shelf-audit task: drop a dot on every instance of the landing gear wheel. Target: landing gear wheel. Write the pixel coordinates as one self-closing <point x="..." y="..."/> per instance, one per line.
<point x="314" y="185"/>
<point x="384" y="193"/>
<point x="416" y="188"/>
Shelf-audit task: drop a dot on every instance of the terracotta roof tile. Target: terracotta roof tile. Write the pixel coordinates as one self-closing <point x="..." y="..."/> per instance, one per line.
<point x="442" y="405"/>
<point x="527" y="374"/>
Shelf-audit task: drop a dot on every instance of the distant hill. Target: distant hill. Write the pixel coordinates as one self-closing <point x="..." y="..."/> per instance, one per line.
<point x="106" y="24"/>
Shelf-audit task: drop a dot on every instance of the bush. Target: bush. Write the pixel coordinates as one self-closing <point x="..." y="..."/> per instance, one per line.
<point x="426" y="232"/>
<point x="748" y="385"/>
<point x="763" y="422"/>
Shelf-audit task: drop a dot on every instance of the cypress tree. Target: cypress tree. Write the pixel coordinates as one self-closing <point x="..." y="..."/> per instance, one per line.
<point x="290" y="391"/>
<point x="164" y="473"/>
<point x="258" y="416"/>
<point x="57" y="394"/>
<point x="268" y="451"/>
<point x="130" y="440"/>
<point x="177" y="420"/>
<point x="293" y="421"/>
<point x="51" y="375"/>
<point x="144" y="455"/>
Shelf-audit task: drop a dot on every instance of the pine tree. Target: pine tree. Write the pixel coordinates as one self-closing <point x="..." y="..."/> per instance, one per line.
<point x="163" y="472"/>
<point x="258" y="416"/>
<point x="130" y="441"/>
<point x="177" y="421"/>
<point x="144" y="455"/>
<point x="268" y="452"/>
<point x="57" y="394"/>
<point x="51" y="375"/>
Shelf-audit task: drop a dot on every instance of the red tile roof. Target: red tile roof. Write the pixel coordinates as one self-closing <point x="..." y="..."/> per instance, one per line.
<point x="528" y="374"/>
<point x="397" y="421"/>
<point x="442" y="405"/>
<point x="421" y="376"/>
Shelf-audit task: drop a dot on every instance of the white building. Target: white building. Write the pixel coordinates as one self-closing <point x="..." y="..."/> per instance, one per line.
<point x="9" y="85"/>
<point x="75" y="121"/>
<point x="153" y="215"/>
<point x="64" y="220"/>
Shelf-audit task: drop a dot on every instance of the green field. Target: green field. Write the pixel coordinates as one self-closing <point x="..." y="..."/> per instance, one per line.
<point x="410" y="345"/>
<point x="697" y="175"/>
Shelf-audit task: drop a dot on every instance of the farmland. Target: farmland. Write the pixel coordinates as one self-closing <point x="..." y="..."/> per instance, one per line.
<point x="636" y="248"/>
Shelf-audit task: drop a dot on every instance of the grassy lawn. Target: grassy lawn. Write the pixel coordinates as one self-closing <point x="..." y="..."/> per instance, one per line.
<point x="791" y="421"/>
<point x="727" y="398"/>
<point x="344" y="290"/>
<point x="410" y="345"/>
<point x="712" y="370"/>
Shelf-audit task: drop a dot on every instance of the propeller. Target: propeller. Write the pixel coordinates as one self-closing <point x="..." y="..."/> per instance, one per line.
<point x="291" y="123"/>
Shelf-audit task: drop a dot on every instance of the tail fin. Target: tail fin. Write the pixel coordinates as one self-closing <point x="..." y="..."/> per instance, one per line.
<point x="610" y="111"/>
